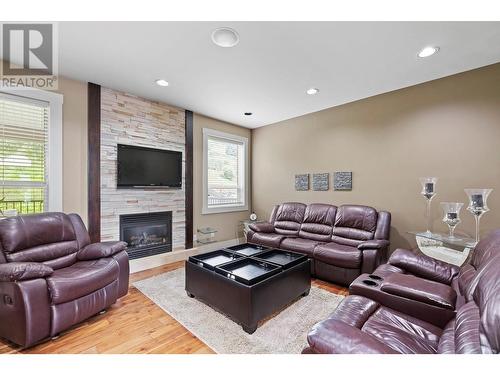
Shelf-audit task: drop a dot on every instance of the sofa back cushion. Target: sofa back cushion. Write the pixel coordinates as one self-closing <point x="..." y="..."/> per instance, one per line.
<point x="354" y="224"/>
<point x="484" y="252"/>
<point x="487" y="297"/>
<point x="318" y="222"/>
<point x="289" y="217"/>
<point x="476" y="327"/>
<point x="48" y="237"/>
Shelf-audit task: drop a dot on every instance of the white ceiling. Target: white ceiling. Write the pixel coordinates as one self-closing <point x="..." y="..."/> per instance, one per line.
<point x="268" y="72"/>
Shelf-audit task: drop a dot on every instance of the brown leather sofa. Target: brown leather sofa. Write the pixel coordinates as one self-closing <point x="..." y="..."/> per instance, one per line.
<point x="52" y="277"/>
<point x="342" y="242"/>
<point x="467" y="318"/>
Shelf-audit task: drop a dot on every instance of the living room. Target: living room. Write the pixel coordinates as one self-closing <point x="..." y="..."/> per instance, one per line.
<point x="250" y="187"/>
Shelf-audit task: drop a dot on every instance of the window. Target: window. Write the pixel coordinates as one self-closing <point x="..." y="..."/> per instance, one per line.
<point x="26" y="162"/>
<point x="225" y="172"/>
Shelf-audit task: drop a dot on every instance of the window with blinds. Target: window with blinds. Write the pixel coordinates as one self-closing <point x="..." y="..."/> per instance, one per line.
<point x="23" y="154"/>
<point x="225" y="171"/>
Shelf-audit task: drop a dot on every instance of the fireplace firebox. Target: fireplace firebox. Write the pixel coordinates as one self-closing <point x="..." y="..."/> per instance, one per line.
<point x="146" y="234"/>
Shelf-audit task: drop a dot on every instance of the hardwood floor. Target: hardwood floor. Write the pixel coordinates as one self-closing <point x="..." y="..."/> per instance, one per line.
<point x="133" y="325"/>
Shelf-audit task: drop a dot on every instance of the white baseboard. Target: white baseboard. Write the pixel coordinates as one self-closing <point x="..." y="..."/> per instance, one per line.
<point x="142" y="264"/>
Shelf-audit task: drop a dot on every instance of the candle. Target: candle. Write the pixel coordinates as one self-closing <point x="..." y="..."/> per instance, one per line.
<point x="429" y="187"/>
<point x="452" y="215"/>
<point x="477" y="200"/>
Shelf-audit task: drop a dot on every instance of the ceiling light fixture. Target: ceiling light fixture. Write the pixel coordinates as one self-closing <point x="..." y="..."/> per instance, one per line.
<point x="225" y="37"/>
<point x="312" y="91"/>
<point x="248" y="113"/>
<point x="161" y="82"/>
<point x="428" y="51"/>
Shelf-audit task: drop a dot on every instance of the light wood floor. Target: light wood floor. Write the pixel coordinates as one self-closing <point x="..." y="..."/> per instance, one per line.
<point x="133" y="325"/>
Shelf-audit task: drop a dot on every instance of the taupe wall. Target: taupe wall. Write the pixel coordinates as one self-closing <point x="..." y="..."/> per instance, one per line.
<point x="449" y="128"/>
<point x="74" y="146"/>
<point x="225" y="223"/>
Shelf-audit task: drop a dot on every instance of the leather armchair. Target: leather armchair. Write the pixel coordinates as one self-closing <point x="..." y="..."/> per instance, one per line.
<point x="51" y="277"/>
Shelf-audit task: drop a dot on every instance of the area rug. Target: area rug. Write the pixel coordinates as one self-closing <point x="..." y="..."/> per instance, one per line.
<point x="285" y="332"/>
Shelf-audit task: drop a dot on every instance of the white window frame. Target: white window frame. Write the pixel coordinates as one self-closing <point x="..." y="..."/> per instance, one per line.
<point x="55" y="140"/>
<point x="234" y="138"/>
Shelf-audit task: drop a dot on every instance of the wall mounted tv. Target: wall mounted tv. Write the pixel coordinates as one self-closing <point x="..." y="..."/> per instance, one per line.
<point x="140" y="167"/>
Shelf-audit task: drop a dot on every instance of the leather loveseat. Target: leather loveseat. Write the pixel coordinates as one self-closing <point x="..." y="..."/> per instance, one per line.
<point x="387" y="325"/>
<point x="342" y="242"/>
<point x="52" y="277"/>
<point x="427" y="288"/>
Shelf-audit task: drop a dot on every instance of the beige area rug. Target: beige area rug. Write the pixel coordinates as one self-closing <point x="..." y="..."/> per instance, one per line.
<point x="285" y="332"/>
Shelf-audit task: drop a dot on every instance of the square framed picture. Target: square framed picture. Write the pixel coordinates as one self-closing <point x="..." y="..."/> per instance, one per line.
<point x="342" y="181"/>
<point x="302" y="182"/>
<point x="321" y="181"/>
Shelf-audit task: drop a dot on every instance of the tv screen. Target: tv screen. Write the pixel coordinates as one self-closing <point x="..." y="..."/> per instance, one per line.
<point x="148" y="167"/>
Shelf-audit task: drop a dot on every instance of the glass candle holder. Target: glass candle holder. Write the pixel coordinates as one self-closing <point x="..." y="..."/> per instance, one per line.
<point x="451" y="215"/>
<point x="428" y="192"/>
<point x="477" y="205"/>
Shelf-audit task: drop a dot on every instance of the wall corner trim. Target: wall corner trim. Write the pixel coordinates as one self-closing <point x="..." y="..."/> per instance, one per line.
<point x="94" y="160"/>
<point x="189" y="179"/>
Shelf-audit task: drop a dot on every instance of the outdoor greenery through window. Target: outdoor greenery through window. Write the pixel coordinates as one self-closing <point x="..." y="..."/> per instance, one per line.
<point x="23" y="150"/>
<point x="225" y="172"/>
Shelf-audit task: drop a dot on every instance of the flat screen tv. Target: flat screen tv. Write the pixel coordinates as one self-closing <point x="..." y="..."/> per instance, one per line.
<point x="140" y="167"/>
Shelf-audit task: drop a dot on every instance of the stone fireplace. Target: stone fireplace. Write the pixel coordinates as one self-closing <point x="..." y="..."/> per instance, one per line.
<point x="147" y="234"/>
<point x="131" y="120"/>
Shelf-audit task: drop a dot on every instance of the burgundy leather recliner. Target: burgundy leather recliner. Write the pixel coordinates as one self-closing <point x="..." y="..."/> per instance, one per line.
<point x="386" y="325"/>
<point x="52" y="277"/>
<point x="342" y="242"/>
<point x="424" y="287"/>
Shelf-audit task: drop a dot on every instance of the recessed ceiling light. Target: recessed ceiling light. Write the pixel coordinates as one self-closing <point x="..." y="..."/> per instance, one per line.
<point x="248" y="113"/>
<point x="312" y="91"/>
<point x="225" y="37"/>
<point x="161" y="82"/>
<point x="428" y="51"/>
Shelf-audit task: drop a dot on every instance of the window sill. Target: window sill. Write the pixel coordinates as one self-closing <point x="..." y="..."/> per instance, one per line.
<point x="218" y="210"/>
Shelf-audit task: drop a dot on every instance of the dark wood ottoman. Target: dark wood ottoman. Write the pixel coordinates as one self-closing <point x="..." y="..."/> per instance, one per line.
<point x="247" y="282"/>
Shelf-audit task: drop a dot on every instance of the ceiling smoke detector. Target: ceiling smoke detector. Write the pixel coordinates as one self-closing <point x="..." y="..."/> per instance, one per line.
<point x="225" y="37"/>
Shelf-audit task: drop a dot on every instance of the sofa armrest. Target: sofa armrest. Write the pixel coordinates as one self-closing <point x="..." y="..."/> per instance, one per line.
<point x="424" y="266"/>
<point x="262" y="227"/>
<point x="333" y="336"/>
<point x="101" y="250"/>
<point x="18" y="271"/>
<point x="418" y="289"/>
<point x="373" y="245"/>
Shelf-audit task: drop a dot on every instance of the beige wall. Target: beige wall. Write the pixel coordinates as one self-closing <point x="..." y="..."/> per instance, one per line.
<point x="225" y="223"/>
<point x="74" y="146"/>
<point x="449" y="128"/>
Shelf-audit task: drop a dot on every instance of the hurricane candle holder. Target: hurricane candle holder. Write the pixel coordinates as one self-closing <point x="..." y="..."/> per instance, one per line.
<point x="451" y="216"/>
<point x="428" y="192"/>
<point x="477" y="205"/>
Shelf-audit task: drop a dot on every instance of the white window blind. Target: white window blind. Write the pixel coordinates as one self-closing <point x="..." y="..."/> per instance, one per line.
<point x="23" y="154"/>
<point x="225" y="171"/>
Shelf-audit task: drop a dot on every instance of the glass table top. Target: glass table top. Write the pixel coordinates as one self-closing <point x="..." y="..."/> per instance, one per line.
<point x="461" y="241"/>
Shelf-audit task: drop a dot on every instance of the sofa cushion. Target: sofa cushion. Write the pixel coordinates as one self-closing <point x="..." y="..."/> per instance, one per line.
<point x="300" y="245"/>
<point x="267" y="239"/>
<point x="354" y="224"/>
<point x="289" y="218"/>
<point x="318" y="222"/>
<point x="81" y="278"/>
<point x="338" y="255"/>
<point x="402" y="332"/>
